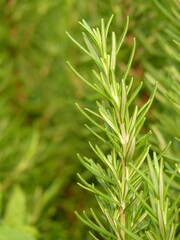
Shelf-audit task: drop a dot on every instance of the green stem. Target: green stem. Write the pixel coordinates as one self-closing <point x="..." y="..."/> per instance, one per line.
<point x="122" y="213"/>
<point x="123" y="176"/>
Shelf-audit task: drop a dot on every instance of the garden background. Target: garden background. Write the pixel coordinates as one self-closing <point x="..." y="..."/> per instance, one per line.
<point x="41" y="130"/>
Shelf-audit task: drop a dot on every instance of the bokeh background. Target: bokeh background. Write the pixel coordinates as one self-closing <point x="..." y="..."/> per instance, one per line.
<point x="40" y="128"/>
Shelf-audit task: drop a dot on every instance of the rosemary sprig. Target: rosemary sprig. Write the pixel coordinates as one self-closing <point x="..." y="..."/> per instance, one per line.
<point x="128" y="179"/>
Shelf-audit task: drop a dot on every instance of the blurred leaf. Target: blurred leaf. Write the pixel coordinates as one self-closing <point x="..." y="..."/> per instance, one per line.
<point x="8" y="233"/>
<point x="15" y="214"/>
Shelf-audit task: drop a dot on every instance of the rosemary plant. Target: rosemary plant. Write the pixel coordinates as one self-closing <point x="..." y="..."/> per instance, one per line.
<point x="130" y="189"/>
<point x="166" y="126"/>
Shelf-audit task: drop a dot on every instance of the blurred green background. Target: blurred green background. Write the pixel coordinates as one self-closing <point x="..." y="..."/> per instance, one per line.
<point x="40" y="128"/>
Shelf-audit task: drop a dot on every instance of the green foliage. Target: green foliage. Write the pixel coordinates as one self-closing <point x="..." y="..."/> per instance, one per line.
<point x="168" y="91"/>
<point x="166" y="123"/>
<point x="37" y="138"/>
<point x="125" y="170"/>
<point x="41" y="130"/>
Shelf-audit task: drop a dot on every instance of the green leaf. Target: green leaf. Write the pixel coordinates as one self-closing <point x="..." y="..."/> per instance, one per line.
<point x="79" y="45"/>
<point x="130" y="60"/>
<point x="123" y="36"/>
<point x="15" y="214"/>
<point x="8" y="233"/>
<point x="94" y="226"/>
<point x="151" y="236"/>
<point x="108" y="24"/>
<point x="134" y="94"/>
<point x="113" y="52"/>
<point x="91" y="49"/>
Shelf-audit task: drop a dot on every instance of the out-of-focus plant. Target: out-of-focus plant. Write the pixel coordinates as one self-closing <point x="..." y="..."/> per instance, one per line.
<point x="166" y="114"/>
<point x="168" y="77"/>
<point x="37" y="138"/>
